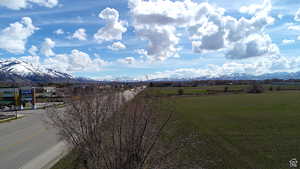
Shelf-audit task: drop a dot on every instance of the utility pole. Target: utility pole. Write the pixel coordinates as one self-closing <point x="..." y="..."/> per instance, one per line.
<point x="16" y="112"/>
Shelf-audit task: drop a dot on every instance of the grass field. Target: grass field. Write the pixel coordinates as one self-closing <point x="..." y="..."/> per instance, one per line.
<point x="242" y="131"/>
<point x="237" y="131"/>
<point x="165" y="91"/>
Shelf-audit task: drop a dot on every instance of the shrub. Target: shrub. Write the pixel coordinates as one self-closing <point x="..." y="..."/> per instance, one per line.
<point x="255" y="88"/>
<point x="180" y="92"/>
<point x="271" y="88"/>
<point x="226" y="89"/>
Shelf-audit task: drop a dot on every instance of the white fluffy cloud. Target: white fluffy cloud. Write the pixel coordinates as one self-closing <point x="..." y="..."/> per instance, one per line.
<point x="209" y="29"/>
<point x="113" y="29"/>
<point x="257" y="8"/>
<point x="47" y="47"/>
<point x="253" y="46"/>
<point x="117" y="46"/>
<point x="297" y="15"/>
<point x="74" y="62"/>
<point x="14" y="37"/>
<point x="162" y="42"/>
<point x="252" y="67"/>
<point x="59" y="32"/>
<point x="214" y="31"/>
<point x="156" y="22"/>
<point x="19" y="4"/>
<point x="80" y="34"/>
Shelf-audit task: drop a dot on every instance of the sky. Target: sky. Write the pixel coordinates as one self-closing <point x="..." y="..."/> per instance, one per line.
<point x="150" y="39"/>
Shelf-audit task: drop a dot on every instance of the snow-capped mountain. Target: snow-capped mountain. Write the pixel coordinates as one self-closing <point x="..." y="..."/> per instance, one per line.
<point x="233" y="76"/>
<point x="238" y="76"/>
<point x="14" y="70"/>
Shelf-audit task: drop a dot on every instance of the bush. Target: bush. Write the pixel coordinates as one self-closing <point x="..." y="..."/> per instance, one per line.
<point x="226" y="89"/>
<point x="271" y="88"/>
<point x="109" y="132"/>
<point x="255" y="88"/>
<point x="180" y="92"/>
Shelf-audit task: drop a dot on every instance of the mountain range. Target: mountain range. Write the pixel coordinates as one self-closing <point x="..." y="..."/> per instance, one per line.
<point x="238" y="76"/>
<point x="15" y="70"/>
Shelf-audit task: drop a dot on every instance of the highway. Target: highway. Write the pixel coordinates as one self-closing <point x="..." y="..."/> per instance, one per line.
<point x="24" y="139"/>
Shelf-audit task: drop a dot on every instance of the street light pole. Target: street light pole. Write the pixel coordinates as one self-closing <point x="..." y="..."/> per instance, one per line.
<point x="16" y="113"/>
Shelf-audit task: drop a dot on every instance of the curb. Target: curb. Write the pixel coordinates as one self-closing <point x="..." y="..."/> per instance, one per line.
<point x="12" y="118"/>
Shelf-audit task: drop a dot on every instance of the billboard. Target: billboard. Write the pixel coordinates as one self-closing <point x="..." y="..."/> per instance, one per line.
<point x="17" y="96"/>
<point x="9" y="96"/>
<point x="9" y="92"/>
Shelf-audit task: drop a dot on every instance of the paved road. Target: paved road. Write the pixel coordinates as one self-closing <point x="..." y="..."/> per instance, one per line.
<point x="27" y="143"/>
<point x="24" y="139"/>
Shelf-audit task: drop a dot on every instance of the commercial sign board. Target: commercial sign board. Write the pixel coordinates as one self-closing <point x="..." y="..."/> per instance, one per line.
<point x="26" y="94"/>
<point x="17" y="96"/>
<point x="9" y="96"/>
<point x="9" y="92"/>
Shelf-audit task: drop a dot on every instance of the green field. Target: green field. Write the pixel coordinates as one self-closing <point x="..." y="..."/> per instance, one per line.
<point x="167" y="91"/>
<point x="237" y="131"/>
<point x="242" y="131"/>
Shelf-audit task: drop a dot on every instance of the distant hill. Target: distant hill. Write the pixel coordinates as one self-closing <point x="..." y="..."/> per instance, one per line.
<point x="238" y="76"/>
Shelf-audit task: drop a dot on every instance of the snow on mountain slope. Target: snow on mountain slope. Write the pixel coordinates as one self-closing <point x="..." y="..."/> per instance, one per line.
<point x="28" y="71"/>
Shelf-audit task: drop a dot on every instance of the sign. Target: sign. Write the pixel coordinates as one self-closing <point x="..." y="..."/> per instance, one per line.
<point x="17" y="96"/>
<point x="9" y="92"/>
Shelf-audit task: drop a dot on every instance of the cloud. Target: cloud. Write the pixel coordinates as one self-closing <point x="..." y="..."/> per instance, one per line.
<point x="256" y="8"/>
<point x="74" y="62"/>
<point x="210" y="30"/>
<point x="113" y="29"/>
<point x="280" y="16"/>
<point x="297" y="15"/>
<point x="162" y="42"/>
<point x="287" y="41"/>
<point x="140" y="51"/>
<point x="214" y="31"/>
<point x="157" y="22"/>
<point x="47" y="47"/>
<point x="253" y="46"/>
<point x="127" y="60"/>
<point x="19" y="4"/>
<point x="59" y="32"/>
<point x="33" y="50"/>
<point x="116" y="46"/>
<point x="14" y="37"/>
<point x="80" y="34"/>
<point x="251" y="67"/>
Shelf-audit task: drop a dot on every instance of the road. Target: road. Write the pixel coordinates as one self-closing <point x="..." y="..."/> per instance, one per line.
<point x="28" y="143"/>
<point x="23" y="140"/>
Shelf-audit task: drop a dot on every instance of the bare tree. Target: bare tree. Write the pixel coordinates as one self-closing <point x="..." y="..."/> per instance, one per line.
<point x="109" y="134"/>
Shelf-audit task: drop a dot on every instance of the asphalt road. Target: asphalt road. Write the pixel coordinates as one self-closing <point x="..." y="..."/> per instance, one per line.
<point x="28" y="143"/>
<point x="24" y="139"/>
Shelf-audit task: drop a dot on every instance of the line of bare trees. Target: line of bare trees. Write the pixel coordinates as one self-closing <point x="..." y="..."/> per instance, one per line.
<point x="109" y="133"/>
